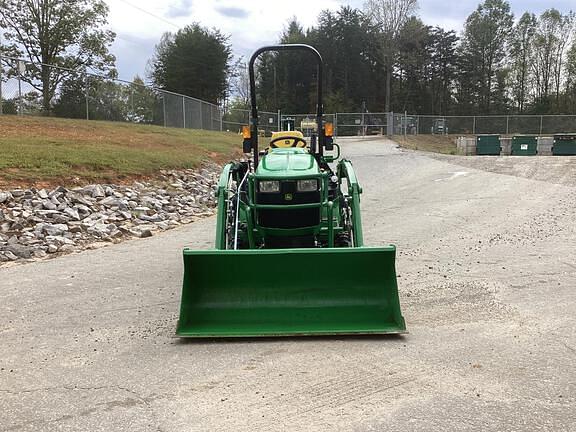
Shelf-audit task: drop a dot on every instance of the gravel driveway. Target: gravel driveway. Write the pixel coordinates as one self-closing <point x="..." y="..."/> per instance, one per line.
<point x="487" y="279"/>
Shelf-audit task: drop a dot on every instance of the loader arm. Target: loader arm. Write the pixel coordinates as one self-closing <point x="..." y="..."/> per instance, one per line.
<point x="222" y="197"/>
<point x="346" y="171"/>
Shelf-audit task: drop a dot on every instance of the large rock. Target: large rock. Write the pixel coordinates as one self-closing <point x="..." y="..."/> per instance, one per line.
<point x="73" y="213"/>
<point x="55" y="230"/>
<point x="19" y="250"/>
<point x="154" y="218"/>
<point x="49" y="205"/>
<point x="84" y="200"/>
<point x="101" y="229"/>
<point x="98" y="192"/>
<point x="5" y="196"/>
<point x="10" y="255"/>
<point x="18" y="193"/>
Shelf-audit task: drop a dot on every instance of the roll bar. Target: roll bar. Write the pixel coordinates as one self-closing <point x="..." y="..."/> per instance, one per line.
<point x="254" y="109"/>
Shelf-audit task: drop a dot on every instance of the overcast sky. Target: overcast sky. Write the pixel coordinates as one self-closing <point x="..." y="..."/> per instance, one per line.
<point x="139" y="24"/>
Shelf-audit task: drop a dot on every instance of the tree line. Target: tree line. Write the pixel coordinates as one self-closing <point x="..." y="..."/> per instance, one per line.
<point x="379" y="58"/>
<point x="385" y="58"/>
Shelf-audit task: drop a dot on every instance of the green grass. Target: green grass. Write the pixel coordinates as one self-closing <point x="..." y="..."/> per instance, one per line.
<point x="34" y="149"/>
<point x="431" y="143"/>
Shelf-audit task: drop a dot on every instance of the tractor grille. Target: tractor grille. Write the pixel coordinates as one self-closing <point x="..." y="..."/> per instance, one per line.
<point x="288" y="188"/>
<point x="289" y="218"/>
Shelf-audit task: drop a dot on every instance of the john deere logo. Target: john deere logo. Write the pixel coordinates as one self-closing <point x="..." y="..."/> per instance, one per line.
<point x="288" y="197"/>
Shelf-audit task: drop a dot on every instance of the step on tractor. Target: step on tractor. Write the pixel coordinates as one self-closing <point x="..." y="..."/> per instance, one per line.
<point x="289" y="258"/>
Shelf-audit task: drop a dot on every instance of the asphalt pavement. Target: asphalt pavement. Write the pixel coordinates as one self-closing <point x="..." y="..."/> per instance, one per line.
<point x="487" y="281"/>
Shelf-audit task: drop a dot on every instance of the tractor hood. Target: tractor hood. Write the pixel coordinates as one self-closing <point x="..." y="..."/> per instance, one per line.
<point x="287" y="162"/>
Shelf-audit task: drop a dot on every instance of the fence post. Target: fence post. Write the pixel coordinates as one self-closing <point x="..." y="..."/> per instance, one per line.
<point x="164" y="107"/>
<point x="221" y="114"/>
<point x="474" y="125"/>
<point x="19" y="87"/>
<point x="279" y="121"/>
<point x="405" y="124"/>
<point x="87" y="96"/>
<point x="507" y="123"/>
<point x="390" y="124"/>
<point x="336" y="124"/>
<point x="541" y="119"/>
<point x="132" y="103"/>
<point x="184" y="112"/>
<point x="201" y="116"/>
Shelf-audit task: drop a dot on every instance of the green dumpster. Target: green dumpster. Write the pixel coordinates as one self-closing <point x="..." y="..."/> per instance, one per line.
<point x="564" y="145"/>
<point x="524" y="145"/>
<point x="488" y="145"/>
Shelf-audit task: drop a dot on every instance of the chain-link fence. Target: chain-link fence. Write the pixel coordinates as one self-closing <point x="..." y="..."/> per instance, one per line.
<point x="366" y="124"/>
<point x="233" y="120"/>
<point x="361" y="124"/>
<point x="305" y="123"/>
<point x="93" y="97"/>
<point x="185" y="112"/>
<point x="503" y="125"/>
<point x="268" y="122"/>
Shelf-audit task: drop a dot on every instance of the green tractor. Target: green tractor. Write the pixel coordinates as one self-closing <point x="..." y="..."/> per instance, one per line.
<point x="289" y="257"/>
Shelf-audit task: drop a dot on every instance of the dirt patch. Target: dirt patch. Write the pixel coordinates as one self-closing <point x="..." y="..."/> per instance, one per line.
<point x="445" y="144"/>
<point x="462" y="302"/>
<point x="551" y="169"/>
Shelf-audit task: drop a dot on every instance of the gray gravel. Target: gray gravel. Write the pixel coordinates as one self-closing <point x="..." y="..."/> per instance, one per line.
<point x="39" y="223"/>
<point x="487" y="271"/>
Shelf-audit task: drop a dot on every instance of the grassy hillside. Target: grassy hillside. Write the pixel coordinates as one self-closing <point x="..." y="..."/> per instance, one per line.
<point x="37" y="149"/>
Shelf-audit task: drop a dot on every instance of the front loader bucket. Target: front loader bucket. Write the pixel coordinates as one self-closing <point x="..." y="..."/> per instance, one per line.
<point x="286" y="292"/>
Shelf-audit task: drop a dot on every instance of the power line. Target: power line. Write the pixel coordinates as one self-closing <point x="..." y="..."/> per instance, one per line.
<point x="103" y="77"/>
<point x="140" y="43"/>
<point x="150" y="13"/>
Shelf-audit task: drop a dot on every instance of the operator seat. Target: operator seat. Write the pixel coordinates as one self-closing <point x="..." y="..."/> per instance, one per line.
<point x="287" y="139"/>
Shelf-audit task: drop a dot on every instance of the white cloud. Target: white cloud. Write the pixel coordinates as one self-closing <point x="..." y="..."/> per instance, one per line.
<point x="138" y="31"/>
<point x="181" y="8"/>
<point x="253" y="23"/>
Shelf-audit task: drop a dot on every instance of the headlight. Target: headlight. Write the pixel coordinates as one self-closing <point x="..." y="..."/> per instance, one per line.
<point x="269" y="186"/>
<point x="309" y="185"/>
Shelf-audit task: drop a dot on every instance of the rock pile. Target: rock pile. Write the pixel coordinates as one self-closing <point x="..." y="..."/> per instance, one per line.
<point x="36" y="223"/>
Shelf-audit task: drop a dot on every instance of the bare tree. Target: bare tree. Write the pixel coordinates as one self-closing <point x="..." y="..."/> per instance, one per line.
<point x="552" y="39"/>
<point x="389" y="16"/>
<point x="240" y="82"/>
<point x="520" y="58"/>
<point x="566" y="31"/>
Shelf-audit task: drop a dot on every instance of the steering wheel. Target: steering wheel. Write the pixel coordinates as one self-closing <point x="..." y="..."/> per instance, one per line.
<point x="295" y="142"/>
